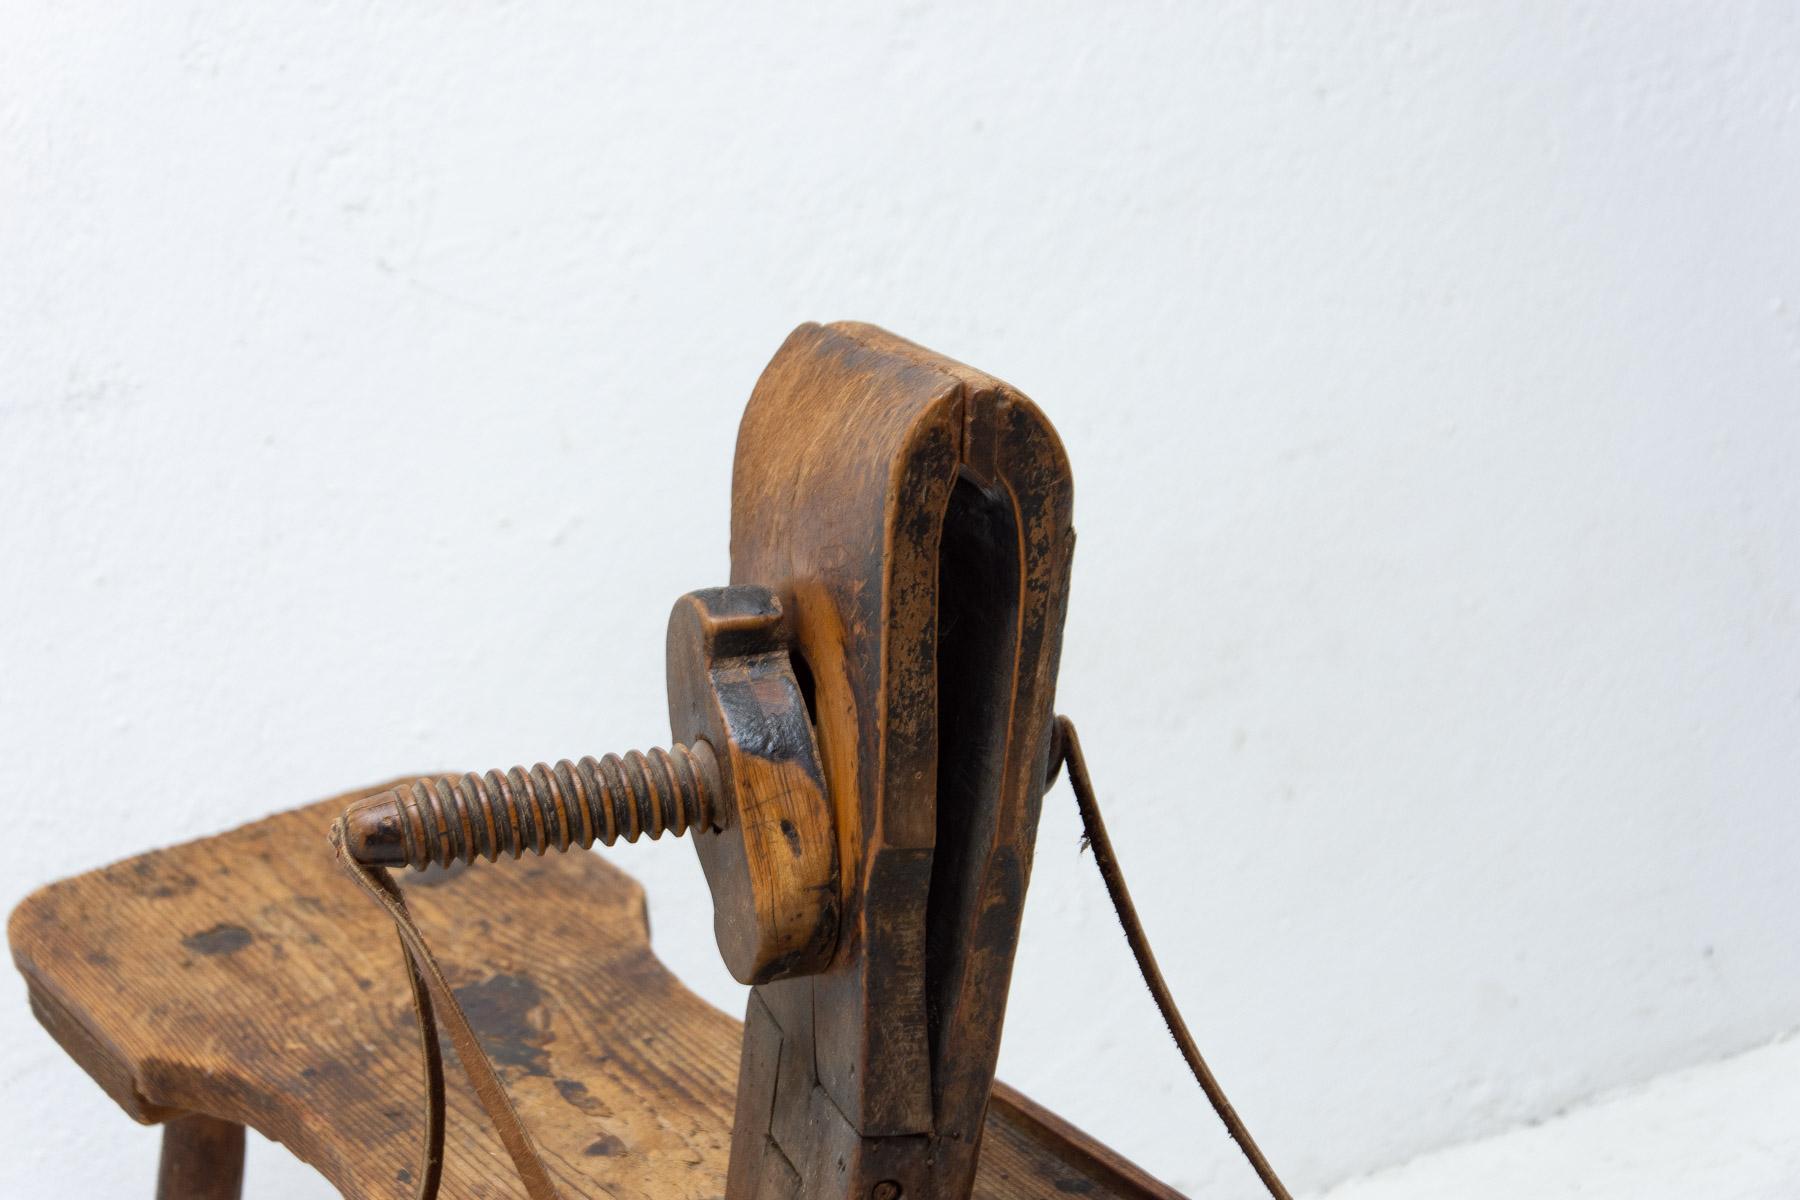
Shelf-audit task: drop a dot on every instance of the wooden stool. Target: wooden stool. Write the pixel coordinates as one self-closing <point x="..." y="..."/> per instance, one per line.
<point x="870" y="704"/>
<point x="238" y="980"/>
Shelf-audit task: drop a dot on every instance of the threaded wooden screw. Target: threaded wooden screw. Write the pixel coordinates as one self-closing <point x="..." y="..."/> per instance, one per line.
<point x="459" y="818"/>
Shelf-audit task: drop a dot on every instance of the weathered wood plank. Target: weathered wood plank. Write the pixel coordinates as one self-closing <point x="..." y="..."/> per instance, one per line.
<point x="244" y="977"/>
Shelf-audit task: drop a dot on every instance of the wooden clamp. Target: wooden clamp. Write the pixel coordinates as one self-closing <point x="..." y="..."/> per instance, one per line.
<point x="863" y="735"/>
<point x="913" y="517"/>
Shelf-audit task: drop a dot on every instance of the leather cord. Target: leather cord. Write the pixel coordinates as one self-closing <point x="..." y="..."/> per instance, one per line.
<point x="432" y="994"/>
<point x="429" y="985"/>
<point x="1095" y="834"/>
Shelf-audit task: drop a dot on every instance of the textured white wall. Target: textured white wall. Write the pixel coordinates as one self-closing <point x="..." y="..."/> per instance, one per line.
<point x="368" y="380"/>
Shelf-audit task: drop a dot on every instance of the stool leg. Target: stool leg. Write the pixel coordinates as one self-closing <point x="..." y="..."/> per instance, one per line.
<point x="202" y="1159"/>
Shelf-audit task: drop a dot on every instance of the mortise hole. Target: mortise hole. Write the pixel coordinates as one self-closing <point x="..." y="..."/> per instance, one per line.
<point x="808" y="688"/>
<point x="977" y="646"/>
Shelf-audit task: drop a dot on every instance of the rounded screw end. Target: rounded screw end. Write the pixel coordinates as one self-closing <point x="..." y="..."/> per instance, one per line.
<point x="375" y="829"/>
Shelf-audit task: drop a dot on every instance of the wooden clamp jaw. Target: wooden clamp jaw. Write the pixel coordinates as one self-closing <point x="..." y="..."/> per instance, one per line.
<point x="773" y="864"/>
<point x="912" y="516"/>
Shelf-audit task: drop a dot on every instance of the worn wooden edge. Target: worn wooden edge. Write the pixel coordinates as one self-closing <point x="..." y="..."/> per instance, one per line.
<point x="90" y="1048"/>
<point x="1078" y="1147"/>
<point x="91" y="1051"/>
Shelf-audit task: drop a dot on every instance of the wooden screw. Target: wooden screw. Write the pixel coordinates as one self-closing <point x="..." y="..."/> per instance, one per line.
<point x="460" y="818"/>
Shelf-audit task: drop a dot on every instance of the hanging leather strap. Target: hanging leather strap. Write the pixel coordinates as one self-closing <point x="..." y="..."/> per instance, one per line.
<point x="1094" y="835"/>
<point x="432" y="994"/>
<point x="429" y="986"/>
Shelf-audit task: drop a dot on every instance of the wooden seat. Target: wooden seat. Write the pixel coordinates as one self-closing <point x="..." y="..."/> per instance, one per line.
<point x="242" y="977"/>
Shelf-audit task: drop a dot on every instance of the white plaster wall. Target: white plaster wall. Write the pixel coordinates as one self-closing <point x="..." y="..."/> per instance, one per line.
<point x="1723" y="1130"/>
<point x="368" y="380"/>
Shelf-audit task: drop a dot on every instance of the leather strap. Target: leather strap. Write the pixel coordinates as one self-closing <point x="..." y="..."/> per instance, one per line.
<point x="429" y="986"/>
<point x="1094" y="835"/>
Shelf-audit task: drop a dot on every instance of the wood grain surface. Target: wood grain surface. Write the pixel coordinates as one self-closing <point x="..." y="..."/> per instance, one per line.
<point x="913" y="514"/>
<point x="243" y="977"/>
